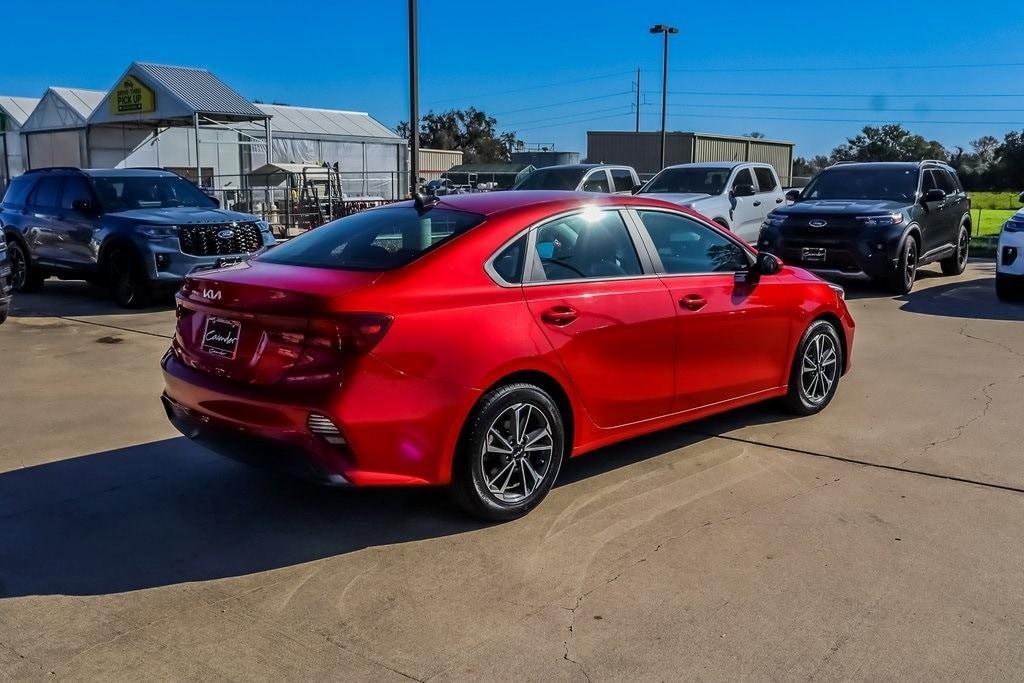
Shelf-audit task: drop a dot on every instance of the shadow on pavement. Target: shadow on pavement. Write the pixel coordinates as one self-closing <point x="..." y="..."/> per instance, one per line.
<point x="169" y="512"/>
<point x="971" y="299"/>
<point x="62" y="298"/>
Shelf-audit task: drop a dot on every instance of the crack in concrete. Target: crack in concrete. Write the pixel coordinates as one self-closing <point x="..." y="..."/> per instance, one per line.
<point x="959" y="429"/>
<point x="963" y="332"/>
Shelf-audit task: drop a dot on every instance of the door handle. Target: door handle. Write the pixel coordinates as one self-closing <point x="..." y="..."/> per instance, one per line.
<point x="757" y="203"/>
<point x="779" y="200"/>
<point x="559" y="315"/>
<point x="693" y="302"/>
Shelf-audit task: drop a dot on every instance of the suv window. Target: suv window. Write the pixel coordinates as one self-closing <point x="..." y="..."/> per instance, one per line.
<point x="75" y="189"/>
<point x="743" y="178"/>
<point x="47" y="193"/>
<point x="380" y="239"/>
<point x="596" y="182"/>
<point x="585" y="245"/>
<point x="945" y="181"/>
<point x="18" y="190"/>
<point x="856" y="182"/>
<point x="928" y="182"/>
<point x="686" y="246"/>
<point x="622" y="179"/>
<point x="765" y="179"/>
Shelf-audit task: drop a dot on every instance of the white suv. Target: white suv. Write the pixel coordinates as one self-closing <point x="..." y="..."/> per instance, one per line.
<point x="1010" y="257"/>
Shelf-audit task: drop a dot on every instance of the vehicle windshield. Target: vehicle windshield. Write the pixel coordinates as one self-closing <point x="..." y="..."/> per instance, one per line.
<point x="124" y="193"/>
<point x="552" y="179"/>
<point x="690" y="180"/>
<point x="898" y="184"/>
<point x="379" y="239"/>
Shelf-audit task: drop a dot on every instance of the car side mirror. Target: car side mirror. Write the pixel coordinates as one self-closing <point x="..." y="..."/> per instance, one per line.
<point x="743" y="190"/>
<point x="636" y="189"/>
<point x="793" y="195"/>
<point x="764" y="264"/>
<point x="933" y="195"/>
<point x="83" y="206"/>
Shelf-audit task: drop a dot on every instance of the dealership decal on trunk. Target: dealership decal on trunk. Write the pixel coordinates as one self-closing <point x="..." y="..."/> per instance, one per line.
<point x="220" y="338"/>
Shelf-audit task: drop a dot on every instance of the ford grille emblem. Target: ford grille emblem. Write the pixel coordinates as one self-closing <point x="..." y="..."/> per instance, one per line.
<point x="226" y="234"/>
<point x="817" y="223"/>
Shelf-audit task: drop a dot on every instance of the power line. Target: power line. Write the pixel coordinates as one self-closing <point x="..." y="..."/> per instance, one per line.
<point x="916" y="110"/>
<point x="901" y="121"/>
<point x="889" y="67"/>
<point x="705" y="93"/>
<point x="476" y="96"/>
<point x="628" y="108"/>
<point x="572" y="123"/>
<point x="559" y="104"/>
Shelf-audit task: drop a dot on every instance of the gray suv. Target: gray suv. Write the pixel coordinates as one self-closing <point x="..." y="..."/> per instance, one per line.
<point x="137" y="231"/>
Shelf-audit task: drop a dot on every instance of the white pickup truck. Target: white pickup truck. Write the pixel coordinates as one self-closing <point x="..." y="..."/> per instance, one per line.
<point x="735" y="194"/>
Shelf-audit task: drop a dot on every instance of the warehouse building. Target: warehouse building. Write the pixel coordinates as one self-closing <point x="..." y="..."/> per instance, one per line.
<point x="189" y="121"/>
<point x="642" y="150"/>
<point x="14" y="112"/>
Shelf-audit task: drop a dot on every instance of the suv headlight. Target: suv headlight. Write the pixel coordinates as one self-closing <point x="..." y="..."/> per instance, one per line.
<point x="159" y="232"/>
<point x="894" y="218"/>
<point x="1015" y="224"/>
<point x="774" y="221"/>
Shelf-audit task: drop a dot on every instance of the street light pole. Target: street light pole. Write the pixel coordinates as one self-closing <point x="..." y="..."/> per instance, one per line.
<point x="414" y="100"/>
<point x="662" y="28"/>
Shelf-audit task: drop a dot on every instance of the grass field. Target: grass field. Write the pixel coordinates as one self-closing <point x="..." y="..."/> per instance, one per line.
<point x="989" y="210"/>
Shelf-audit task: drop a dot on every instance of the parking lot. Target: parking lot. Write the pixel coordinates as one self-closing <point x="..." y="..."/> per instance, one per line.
<point x="879" y="539"/>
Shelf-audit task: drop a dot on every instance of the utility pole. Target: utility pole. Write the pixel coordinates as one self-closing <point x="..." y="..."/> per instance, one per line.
<point x="667" y="30"/>
<point x="638" y="99"/>
<point x="414" y="100"/>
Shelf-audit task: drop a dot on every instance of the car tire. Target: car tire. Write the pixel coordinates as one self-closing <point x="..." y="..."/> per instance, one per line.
<point x="817" y="368"/>
<point x="25" y="277"/>
<point x="125" y="279"/>
<point x="955" y="264"/>
<point x="1007" y="289"/>
<point x="510" y="454"/>
<point x="3" y="315"/>
<point x="901" y="280"/>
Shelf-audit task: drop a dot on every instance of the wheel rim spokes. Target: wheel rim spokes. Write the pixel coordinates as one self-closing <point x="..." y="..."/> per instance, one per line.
<point x="18" y="269"/>
<point x="517" y="453"/>
<point x="819" y="368"/>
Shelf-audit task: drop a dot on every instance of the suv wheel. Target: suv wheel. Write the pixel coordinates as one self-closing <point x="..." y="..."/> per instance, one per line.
<point x="955" y="264"/>
<point x="817" y="366"/>
<point x="128" y="286"/>
<point x="25" y="278"/>
<point x="511" y="453"/>
<point x="901" y="281"/>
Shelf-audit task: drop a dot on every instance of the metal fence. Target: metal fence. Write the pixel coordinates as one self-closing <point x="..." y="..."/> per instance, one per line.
<point x="292" y="202"/>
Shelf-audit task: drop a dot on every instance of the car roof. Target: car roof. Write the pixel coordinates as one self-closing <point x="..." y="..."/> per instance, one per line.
<point x="718" y="164"/>
<point x="490" y="203"/>
<point x="129" y="172"/>
<point x="579" y="167"/>
<point x="875" y="165"/>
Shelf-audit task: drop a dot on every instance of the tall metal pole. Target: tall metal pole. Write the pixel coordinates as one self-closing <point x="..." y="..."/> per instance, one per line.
<point x="199" y="168"/>
<point x="638" y="99"/>
<point x="664" y="98"/>
<point x="414" y="100"/>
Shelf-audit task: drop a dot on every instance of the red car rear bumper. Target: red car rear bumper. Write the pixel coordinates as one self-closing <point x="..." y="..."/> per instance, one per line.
<point x="398" y="430"/>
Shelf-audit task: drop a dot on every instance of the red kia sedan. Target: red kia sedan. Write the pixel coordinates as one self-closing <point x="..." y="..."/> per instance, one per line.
<point x="479" y="340"/>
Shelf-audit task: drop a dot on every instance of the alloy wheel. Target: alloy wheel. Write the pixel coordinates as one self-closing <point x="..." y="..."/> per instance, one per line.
<point x="962" y="249"/>
<point x="19" y="268"/>
<point x="517" y="452"/>
<point x="910" y="268"/>
<point x="819" y="368"/>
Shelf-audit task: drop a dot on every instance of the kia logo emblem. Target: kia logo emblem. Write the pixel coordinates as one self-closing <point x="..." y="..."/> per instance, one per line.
<point x="817" y="223"/>
<point x="212" y="294"/>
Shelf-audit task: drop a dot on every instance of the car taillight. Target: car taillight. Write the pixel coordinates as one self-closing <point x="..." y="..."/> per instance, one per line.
<point x="349" y="332"/>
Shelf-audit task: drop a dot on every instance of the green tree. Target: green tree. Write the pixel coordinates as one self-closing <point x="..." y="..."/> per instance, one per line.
<point x="890" y="142"/>
<point x="471" y="131"/>
<point x="805" y="168"/>
<point x="1008" y="168"/>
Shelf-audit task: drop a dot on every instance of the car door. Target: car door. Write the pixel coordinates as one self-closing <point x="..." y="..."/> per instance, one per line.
<point x="935" y="220"/>
<point x="732" y="340"/>
<point x="596" y="181"/>
<point x="744" y="212"/>
<point x="75" y="229"/>
<point x="769" y="197"/>
<point x="609" y="318"/>
<point x="41" y="220"/>
<point x="955" y="206"/>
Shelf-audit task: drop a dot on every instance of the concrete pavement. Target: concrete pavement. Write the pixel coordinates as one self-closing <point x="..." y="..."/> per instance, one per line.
<point x="880" y="539"/>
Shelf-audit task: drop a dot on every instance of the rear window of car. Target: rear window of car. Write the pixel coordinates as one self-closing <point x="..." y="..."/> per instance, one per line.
<point x="380" y="239"/>
<point x="18" y="190"/>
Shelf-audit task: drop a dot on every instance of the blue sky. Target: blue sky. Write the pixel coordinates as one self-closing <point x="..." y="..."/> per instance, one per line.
<point x="811" y="72"/>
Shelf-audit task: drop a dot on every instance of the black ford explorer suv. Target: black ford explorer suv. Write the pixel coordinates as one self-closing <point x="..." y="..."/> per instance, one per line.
<point x="874" y="220"/>
<point x="138" y="231"/>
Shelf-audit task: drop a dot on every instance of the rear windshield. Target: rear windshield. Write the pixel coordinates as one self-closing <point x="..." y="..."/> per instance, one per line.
<point x="552" y="179"/>
<point x="899" y="184"/>
<point x="380" y="239"/>
<point x="689" y="181"/>
<point x="123" y="193"/>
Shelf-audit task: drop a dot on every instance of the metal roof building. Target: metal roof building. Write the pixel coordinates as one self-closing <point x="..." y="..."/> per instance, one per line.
<point x="14" y="111"/>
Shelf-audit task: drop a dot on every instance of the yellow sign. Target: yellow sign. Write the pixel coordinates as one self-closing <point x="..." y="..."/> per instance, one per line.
<point x="132" y="97"/>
